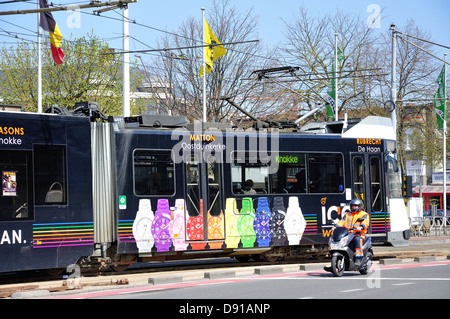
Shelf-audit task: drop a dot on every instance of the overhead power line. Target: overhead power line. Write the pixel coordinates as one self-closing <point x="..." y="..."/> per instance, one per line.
<point x="93" y="4"/>
<point x="424" y="40"/>
<point x="181" y="48"/>
<point x="12" y="1"/>
<point x="422" y="49"/>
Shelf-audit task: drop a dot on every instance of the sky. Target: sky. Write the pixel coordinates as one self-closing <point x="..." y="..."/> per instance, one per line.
<point x="167" y="15"/>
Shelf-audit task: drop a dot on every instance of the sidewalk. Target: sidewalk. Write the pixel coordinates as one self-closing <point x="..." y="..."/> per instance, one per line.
<point x="424" y="240"/>
<point x="417" y="246"/>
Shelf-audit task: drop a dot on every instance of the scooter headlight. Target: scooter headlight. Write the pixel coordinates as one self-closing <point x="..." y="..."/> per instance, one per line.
<point x="344" y="242"/>
<point x="339" y="244"/>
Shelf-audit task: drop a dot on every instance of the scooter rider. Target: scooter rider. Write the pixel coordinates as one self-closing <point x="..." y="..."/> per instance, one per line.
<point x="356" y="221"/>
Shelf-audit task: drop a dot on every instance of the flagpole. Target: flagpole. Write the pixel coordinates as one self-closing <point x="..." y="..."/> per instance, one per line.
<point x="393" y="80"/>
<point x="444" y="132"/>
<point x="39" y="93"/>
<point x="126" y="64"/>
<point x="204" y="67"/>
<point x="336" y="94"/>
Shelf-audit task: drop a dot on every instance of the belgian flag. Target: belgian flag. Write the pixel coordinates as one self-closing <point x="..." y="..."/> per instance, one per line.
<point x="49" y="24"/>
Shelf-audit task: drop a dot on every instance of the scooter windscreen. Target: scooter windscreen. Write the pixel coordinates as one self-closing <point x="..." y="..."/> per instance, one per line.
<point x="339" y="233"/>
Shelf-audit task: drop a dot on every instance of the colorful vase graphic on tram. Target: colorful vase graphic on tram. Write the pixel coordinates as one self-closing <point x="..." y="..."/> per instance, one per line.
<point x="245" y="223"/>
<point x="261" y="222"/>
<point x="178" y="226"/>
<point x="142" y="226"/>
<point x="160" y="226"/>
<point x="194" y="230"/>
<point x="277" y="220"/>
<point x="295" y="223"/>
<point x="232" y="237"/>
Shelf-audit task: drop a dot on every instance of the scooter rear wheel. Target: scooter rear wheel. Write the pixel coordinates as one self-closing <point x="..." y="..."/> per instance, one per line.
<point x="365" y="269"/>
<point x="337" y="265"/>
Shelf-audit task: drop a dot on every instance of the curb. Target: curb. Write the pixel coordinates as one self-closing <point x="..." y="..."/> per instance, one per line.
<point x="390" y="261"/>
<point x="164" y="280"/>
<point x="425" y="259"/>
<point x="268" y="270"/>
<point x="219" y="274"/>
<point x="30" y="294"/>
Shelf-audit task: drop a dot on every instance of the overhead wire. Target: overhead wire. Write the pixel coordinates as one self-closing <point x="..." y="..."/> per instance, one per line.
<point x="272" y="59"/>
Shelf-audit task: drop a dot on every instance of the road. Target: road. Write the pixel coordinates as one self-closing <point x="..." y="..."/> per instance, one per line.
<point x="407" y="281"/>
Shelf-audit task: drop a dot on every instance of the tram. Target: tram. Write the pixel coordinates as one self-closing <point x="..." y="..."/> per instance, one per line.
<point x="77" y="190"/>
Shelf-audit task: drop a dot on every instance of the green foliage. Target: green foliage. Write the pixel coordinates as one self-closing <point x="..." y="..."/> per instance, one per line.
<point x="87" y="73"/>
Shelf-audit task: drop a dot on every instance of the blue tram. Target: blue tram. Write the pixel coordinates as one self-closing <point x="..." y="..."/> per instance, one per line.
<point x="151" y="188"/>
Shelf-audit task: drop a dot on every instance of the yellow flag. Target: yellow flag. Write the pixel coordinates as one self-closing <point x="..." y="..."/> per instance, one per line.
<point x="213" y="51"/>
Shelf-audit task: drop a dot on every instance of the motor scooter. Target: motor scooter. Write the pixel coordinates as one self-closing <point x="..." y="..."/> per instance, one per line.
<point x="343" y="257"/>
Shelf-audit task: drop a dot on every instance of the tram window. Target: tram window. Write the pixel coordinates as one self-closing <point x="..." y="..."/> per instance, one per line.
<point x="249" y="174"/>
<point x="213" y="186"/>
<point x="16" y="200"/>
<point x="153" y="173"/>
<point x="375" y="182"/>
<point x="193" y="190"/>
<point x="326" y="173"/>
<point x="50" y="174"/>
<point x="291" y="174"/>
<point x="395" y="185"/>
<point x="358" y="178"/>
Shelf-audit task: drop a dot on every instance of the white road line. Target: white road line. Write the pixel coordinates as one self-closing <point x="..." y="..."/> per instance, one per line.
<point x="357" y="278"/>
<point x="404" y="284"/>
<point x="351" y="290"/>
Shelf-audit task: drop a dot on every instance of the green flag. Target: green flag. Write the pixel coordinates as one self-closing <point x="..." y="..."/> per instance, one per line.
<point x="439" y="105"/>
<point x="331" y="92"/>
<point x="331" y="95"/>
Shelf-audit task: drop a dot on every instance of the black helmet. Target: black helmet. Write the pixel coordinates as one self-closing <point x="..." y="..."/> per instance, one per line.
<point x="356" y="202"/>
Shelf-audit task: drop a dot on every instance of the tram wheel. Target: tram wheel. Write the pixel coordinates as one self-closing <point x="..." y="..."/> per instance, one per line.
<point x="118" y="268"/>
<point x="54" y="272"/>
<point x="271" y="258"/>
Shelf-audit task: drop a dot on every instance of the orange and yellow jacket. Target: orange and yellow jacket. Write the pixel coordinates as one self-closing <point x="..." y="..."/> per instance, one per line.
<point x="350" y="220"/>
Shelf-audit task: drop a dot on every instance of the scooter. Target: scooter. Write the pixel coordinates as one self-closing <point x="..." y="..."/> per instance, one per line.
<point x="343" y="257"/>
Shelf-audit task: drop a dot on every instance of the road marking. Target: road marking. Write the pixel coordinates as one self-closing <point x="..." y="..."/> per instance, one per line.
<point x="300" y="275"/>
<point x="351" y="290"/>
<point x="359" y="278"/>
<point x="404" y="284"/>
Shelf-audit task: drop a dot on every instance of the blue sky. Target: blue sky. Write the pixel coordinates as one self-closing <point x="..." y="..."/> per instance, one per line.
<point x="431" y="16"/>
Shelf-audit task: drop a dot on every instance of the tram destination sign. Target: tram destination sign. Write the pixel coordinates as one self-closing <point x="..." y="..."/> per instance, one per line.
<point x="369" y="145"/>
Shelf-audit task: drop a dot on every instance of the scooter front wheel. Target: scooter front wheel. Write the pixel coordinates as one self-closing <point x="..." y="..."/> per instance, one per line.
<point x="337" y="265"/>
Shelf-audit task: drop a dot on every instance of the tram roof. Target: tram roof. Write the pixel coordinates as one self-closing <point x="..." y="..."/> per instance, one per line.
<point x="369" y="127"/>
<point x="372" y="127"/>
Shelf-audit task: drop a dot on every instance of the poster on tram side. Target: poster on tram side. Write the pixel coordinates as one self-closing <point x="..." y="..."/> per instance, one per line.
<point x="9" y="185"/>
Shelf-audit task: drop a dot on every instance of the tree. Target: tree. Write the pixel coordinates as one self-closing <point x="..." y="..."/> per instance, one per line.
<point x="230" y="72"/>
<point x="416" y="74"/>
<point x="87" y="73"/>
<point x="310" y="43"/>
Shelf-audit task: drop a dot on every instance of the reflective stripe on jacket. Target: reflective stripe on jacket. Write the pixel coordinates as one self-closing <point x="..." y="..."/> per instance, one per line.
<point x="350" y="220"/>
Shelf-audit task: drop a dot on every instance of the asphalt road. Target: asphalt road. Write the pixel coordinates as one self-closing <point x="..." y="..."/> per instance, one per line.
<point x="403" y="281"/>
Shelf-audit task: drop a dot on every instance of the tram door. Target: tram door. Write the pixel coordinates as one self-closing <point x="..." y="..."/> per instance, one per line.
<point x="204" y="200"/>
<point x="367" y="182"/>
